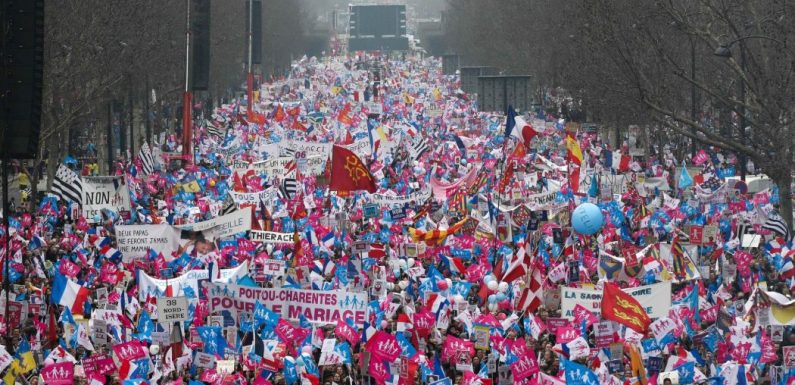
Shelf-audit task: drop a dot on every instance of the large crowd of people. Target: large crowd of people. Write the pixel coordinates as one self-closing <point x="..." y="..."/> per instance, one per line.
<point x="337" y="230"/>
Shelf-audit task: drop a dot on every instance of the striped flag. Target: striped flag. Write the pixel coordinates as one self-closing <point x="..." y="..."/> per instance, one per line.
<point x="229" y="205"/>
<point x="777" y="225"/>
<point x="418" y="147"/>
<point x="67" y="185"/>
<point x="532" y="295"/>
<point x="288" y="188"/>
<point x="216" y="131"/>
<point x="147" y="161"/>
<point x="518" y="265"/>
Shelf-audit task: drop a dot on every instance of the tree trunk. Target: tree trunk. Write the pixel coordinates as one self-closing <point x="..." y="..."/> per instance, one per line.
<point x="784" y="182"/>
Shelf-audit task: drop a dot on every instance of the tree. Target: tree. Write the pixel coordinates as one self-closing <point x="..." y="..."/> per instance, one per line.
<point x="632" y="62"/>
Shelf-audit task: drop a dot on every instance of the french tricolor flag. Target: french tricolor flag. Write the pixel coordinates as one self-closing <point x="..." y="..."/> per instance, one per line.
<point x="109" y="252"/>
<point x="69" y="294"/>
<point x="523" y="131"/>
<point x="328" y="240"/>
<point x="456" y="265"/>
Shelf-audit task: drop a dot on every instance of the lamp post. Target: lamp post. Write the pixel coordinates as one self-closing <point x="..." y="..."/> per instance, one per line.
<point x="693" y="102"/>
<point x="724" y="51"/>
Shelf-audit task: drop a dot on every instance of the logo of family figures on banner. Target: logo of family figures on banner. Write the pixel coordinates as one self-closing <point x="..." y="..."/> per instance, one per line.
<point x="322" y="307"/>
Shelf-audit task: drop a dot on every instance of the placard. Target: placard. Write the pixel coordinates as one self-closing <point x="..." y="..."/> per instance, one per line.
<point x="789" y="356"/>
<point x="225" y="366"/>
<point x="482" y="337"/>
<point x="172" y="309"/>
<point x="370" y="210"/>
<point x="655" y="299"/>
<point x="317" y="306"/>
<point x="271" y="237"/>
<point x="604" y="333"/>
<point x="106" y="192"/>
<point x="274" y="267"/>
<point x="777" y="333"/>
<point x="204" y="360"/>
<point x="135" y="241"/>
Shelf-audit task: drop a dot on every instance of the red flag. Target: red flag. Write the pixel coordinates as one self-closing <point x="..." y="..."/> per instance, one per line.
<point x="348" y="173"/>
<point x="343" y="116"/>
<point x="52" y="327"/>
<point x="298" y="126"/>
<point x="623" y="308"/>
<point x="279" y="115"/>
<point x="295" y="111"/>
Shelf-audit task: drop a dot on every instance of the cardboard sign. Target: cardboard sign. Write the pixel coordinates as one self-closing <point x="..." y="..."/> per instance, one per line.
<point x="271" y="237"/>
<point x="482" y="337"/>
<point x="225" y="366"/>
<point x="777" y="333"/>
<point x="696" y="234"/>
<point x="370" y="211"/>
<point x="789" y="356"/>
<point x="204" y="360"/>
<point x="604" y="333"/>
<point x="172" y="309"/>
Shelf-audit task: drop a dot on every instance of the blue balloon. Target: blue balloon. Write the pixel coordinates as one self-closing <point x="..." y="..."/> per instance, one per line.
<point x="493" y="298"/>
<point x="587" y="219"/>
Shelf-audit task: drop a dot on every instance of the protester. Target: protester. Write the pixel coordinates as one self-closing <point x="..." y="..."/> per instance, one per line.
<point x="329" y="237"/>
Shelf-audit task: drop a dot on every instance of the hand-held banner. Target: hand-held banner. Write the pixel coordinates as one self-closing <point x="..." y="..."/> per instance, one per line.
<point x="134" y="241"/>
<point x="223" y="226"/>
<point x="322" y="307"/>
<point x="271" y="237"/>
<point x="654" y="299"/>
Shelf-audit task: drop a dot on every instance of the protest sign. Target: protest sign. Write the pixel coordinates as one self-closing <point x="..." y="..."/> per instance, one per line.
<point x="655" y="299"/>
<point x="204" y="360"/>
<point x="135" y="241"/>
<point x="230" y="224"/>
<point x="788" y="358"/>
<point x="274" y="267"/>
<point x="104" y="193"/>
<point x="323" y="307"/>
<point x="389" y="200"/>
<point x="172" y="309"/>
<point x="150" y="286"/>
<point x="604" y="333"/>
<point x="271" y="237"/>
<point x="225" y="366"/>
<point x="255" y="198"/>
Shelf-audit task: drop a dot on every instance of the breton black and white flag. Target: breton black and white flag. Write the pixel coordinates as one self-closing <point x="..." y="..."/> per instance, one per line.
<point x="67" y="185"/>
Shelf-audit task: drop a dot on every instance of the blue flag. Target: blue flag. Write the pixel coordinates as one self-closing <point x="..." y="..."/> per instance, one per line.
<point x="290" y="373"/>
<point x="685" y="180"/>
<point x="577" y="374"/>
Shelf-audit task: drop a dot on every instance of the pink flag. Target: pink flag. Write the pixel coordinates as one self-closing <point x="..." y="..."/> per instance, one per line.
<point x="68" y="268"/>
<point x="59" y="374"/>
<point x="423" y="322"/>
<point x="378" y="370"/>
<point x="700" y="158"/>
<point x="383" y="345"/>
<point x="347" y="332"/>
<point x="565" y="334"/>
<point x="453" y="345"/>
<point x="129" y="351"/>
<point x="582" y="314"/>
<point x="289" y="333"/>
<point x="526" y="366"/>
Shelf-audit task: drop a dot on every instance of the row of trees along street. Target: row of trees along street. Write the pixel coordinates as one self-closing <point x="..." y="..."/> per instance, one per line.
<point x="130" y="55"/>
<point x="717" y="71"/>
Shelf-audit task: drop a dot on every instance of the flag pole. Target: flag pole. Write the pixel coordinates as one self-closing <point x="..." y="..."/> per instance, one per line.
<point x="187" y="113"/>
